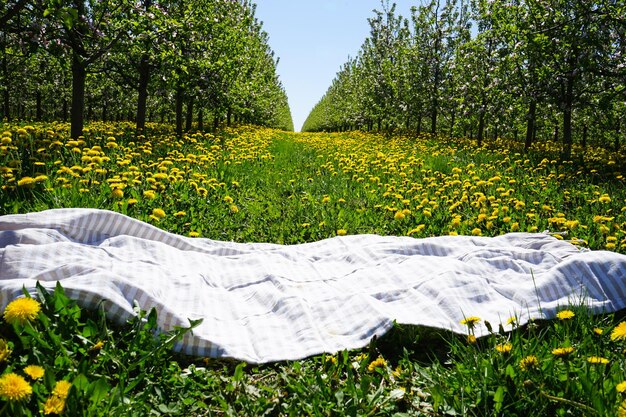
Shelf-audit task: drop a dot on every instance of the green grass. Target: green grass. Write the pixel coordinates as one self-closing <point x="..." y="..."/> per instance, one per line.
<point x="251" y="184"/>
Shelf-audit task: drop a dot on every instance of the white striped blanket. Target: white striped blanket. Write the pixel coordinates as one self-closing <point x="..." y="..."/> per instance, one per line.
<point x="265" y="302"/>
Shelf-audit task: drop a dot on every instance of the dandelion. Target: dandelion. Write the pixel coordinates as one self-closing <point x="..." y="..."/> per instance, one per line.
<point x="21" y="310"/>
<point x="604" y="198"/>
<point x="621" y="412"/>
<point x="471" y="339"/>
<point x="97" y="347"/>
<point x="62" y="389"/>
<point x="342" y="232"/>
<point x="117" y="194"/>
<point x="228" y="199"/>
<point x="5" y="352"/>
<point x="619" y="332"/>
<point x="565" y="314"/>
<point x="158" y="213"/>
<point x="529" y="362"/>
<point x="234" y="209"/>
<point x="380" y="362"/>
<point x="621" y="387"/>
<point x="512" y="321"/>
<point x="54" y="405"/>
<point x="149" y="194"/>
<point x="599" y="360"/>
<point x="34" y="371"/>
<point x="598" y="331"/>
<point x="14" y="387"/>
<point x="470" y="321"/>
<point x="399" y="215"/>
<point x="331" y="359"/>
<point x="25" y="181"/>
<point x="476" y="232"/>
<point x="194" y="234"/>
<point x="504" y="347"/>
<point x="563" y="351"/>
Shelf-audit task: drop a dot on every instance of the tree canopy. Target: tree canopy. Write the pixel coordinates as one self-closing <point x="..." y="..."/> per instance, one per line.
<point x="521" y="68"/>
<point x="129" y="59"/>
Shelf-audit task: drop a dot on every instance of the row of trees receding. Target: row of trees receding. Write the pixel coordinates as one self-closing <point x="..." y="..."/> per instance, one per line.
<point x="524" y="69"/>
<point x="184" y="61"/>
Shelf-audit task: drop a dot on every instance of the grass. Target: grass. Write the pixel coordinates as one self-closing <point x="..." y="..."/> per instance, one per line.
<point x="253" y="184"/>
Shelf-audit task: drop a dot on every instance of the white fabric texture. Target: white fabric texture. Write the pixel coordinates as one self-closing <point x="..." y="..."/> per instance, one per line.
<point x="265" y="302"/>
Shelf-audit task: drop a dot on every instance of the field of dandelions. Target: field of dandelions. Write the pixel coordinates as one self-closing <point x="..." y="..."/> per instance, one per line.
<point x="255" y="184"/>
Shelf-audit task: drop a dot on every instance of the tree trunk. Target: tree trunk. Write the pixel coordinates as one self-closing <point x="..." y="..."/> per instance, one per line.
<point x="38" y="108"/>
<point x="5" y="73"/>
<point x="142" y="98"/>
<point x="79" y="75"/>
<point x="189" y="118"/>
<point x="452" y="121"/>
<point x="201" y="119"/>
<point x="229" y="114"/>
<point x="568" y="104"/>
<point x="179" y="111"/>
<point x="530" y="124"/>
<point x="481" y="127"/>
<point x="584" y="136"/>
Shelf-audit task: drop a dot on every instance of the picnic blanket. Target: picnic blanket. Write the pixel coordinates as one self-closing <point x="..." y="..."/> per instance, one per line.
<point x="265" y="302"/>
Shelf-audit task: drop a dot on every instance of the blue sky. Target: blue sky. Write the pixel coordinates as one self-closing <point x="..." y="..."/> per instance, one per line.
<point x="313" y="39"/>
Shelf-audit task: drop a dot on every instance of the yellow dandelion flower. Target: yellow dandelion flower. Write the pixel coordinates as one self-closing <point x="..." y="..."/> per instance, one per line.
<point x="62" y="389"/>
<point x="228" y="199"/>
<point x="598" y="331"/>
<point x="504" y="347"/>
<point x="21" y="310"/>
<point x="342" y="232"/>
<point x="621" y="412"/>
<point x="599" y="360"/>
<point x="476" y="231"/>
<point x="515" y="227"/>
<point x="34" y="371"/>
<point x="54" y="405"/>
<point x="471" y="339"/>
<point x="158" y="213"/>
<point x="619" y="332"/>
<point x="563" y="351"/>
<point x="604" y="198"/>
<point x="470" y="321"/>
<point x="14" y="387"/>
<point x="326" y="199"/>
<point x="180" y="214"/>
<point x="149" y="194"/>
<point x="380" y="362"/>
<point x="234" y="209"/>
<point x="194" y="234"/>
<point x="621" y="387"/>
<point x="5" y="352"/>
<point x="529" y="362"/>
<point x="117" y="194"/>
<point x="565" y="314"/>
<point x="331" y="359"/>
<point x="26" y="181"/>
<point x="512" y="321"/>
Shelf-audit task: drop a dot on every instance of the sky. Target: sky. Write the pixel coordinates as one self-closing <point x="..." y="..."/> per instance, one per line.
<point x="313" y="39"/>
